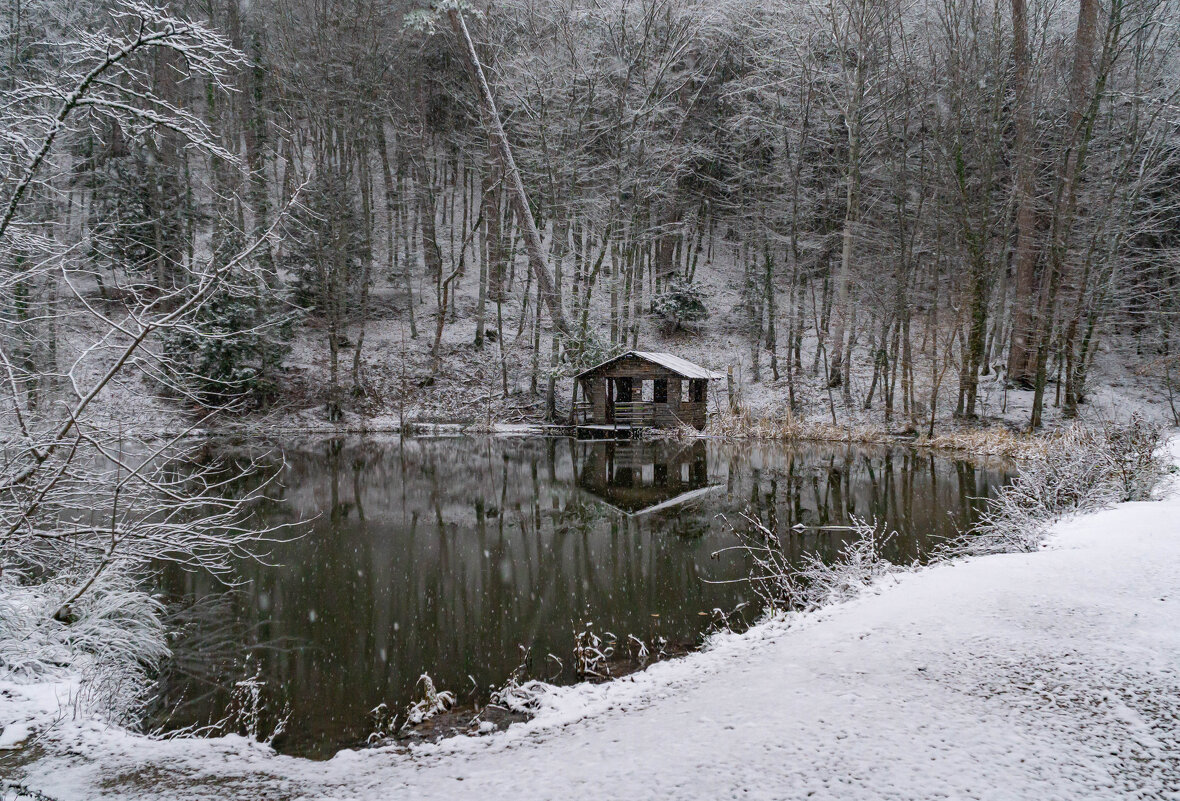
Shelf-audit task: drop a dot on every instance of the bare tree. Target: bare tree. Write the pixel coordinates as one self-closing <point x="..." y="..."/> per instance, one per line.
<point x="86" y="500"/>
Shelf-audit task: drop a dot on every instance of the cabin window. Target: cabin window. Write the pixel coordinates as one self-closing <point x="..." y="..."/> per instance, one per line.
<point x="697" y="388"/>
<point x="645" y="391"/>
<point x="660" y="390"/>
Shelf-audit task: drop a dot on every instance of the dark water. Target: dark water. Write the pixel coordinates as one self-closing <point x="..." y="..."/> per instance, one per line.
<point x="465" y="557"/>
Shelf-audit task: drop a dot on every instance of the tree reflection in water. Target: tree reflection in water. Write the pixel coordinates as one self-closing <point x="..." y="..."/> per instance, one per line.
<point x="449" y="556"/>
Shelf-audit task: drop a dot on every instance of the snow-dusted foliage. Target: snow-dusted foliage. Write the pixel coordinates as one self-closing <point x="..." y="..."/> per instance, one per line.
<point x="681" y="304"/>
<point x="112" y="635"/>
<point x="247" y="708"/>
<point x="593" y="653"/>
<point x="88" y="504"/>
<point x="433" y="702"/>
<point x="1081" y="469"/>
<point x="813" y="583"/>
<point x="382" y="723"/>
<point x="80" y="533"/>
<point x="15" y="791"/>
<point x="522" y="697"/>
<point x="1136" y="456"/>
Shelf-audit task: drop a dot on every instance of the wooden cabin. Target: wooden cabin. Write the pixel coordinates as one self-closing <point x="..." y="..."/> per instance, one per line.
<point x="640" y="389"/>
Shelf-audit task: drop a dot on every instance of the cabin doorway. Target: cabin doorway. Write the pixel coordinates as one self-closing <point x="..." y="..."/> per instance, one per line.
<point x="618" y="390"/>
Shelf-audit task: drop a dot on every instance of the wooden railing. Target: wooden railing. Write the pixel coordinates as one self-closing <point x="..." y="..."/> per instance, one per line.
<point x="583" y="411"/>
<point x="633" y="413"/>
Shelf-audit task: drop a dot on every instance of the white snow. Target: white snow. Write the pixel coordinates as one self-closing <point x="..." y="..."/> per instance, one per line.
<point x="1050" y="675"/>
<point x="14" y="734"/>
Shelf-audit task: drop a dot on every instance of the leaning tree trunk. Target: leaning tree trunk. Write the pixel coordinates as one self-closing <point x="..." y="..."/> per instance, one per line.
<point x="532" y="238"/>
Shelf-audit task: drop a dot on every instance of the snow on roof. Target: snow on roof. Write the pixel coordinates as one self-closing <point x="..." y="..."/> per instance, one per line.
<point x="682" y="367"/>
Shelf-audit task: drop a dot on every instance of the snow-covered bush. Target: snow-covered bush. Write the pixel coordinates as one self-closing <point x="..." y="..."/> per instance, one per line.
<point x="84" y="530"/>
<point x="382" y="724"/>
<point x="233" y="351"/>
<point x="1080" y="470"/>
<point x="433" y="702"/>
<point x="592" y="653"/>
<point x="522" y="697"/>
<point x="681" y="304"/>
<point x="111" y="640"/>
<point x="813" y="583"/>
<point x="1134" y="451"/>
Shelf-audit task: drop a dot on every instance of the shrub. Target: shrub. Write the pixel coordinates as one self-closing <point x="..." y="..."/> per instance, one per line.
<point x="1134" y="452"/>
<point x="433" y="702"/>
<point x="520" y="696"/>
<point x="592" y="654"/>
<point x="1081" y="470"/>
<point x="814" y="583"/>
<point x="112" y="641"/>
<point x="681" y="304"/>
<point x="233" y="353"/>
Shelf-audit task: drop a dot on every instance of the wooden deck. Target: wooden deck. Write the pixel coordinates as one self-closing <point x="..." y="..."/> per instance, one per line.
<point x="607" y="431"/>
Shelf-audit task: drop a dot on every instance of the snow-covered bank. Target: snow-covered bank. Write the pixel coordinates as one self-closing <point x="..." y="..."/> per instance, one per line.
<point x="1051" y="674"/>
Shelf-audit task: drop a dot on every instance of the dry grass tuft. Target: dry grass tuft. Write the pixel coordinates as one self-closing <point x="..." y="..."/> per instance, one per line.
<point x="990" y="441"/>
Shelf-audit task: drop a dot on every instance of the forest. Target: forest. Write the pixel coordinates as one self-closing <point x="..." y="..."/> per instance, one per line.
<point x="861" y="204"/>
<point x="297" y="298"/>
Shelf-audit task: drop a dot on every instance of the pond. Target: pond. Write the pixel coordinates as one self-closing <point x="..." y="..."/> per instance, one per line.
<point x="468" y="558"/>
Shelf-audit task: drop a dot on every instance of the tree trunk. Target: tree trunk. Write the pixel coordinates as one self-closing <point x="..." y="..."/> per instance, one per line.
<point x="532" y="238"/>
<point x="852" y="120"/>
<point x="771" y="332"/>
<point x="1021" y="357"/>
<point x="1082" y="92"/>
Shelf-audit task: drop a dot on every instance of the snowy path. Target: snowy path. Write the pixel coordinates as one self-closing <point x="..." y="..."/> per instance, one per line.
<point x="1038" y="676"/>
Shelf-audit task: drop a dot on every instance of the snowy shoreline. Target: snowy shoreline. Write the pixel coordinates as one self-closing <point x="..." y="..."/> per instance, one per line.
<point x="1022" y="675"/>
<point x="969" y="441"/>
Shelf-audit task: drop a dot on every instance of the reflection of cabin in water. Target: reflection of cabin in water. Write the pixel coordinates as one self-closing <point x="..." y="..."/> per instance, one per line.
<point x="638" y="478"/>
<point x="640" y="389"/>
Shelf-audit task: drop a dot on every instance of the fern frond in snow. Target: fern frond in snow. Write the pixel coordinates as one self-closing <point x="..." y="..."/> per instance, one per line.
<point x="433" y="702"/>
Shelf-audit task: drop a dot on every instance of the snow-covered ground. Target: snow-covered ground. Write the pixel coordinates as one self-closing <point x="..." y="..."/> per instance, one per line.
<point x="1054" y="674"/>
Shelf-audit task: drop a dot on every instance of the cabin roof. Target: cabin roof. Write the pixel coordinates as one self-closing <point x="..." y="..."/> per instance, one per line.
<point x="682" y="367"/>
